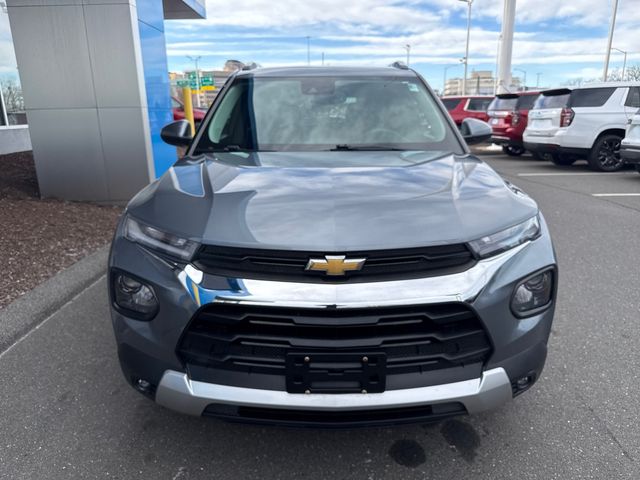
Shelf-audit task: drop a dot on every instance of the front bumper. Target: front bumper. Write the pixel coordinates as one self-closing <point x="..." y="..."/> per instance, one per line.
<point x="147" y="350"/>
<point x="177" y="392"/>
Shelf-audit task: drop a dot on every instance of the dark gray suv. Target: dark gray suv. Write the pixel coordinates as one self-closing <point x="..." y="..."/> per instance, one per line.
<point x="329" y="253"/>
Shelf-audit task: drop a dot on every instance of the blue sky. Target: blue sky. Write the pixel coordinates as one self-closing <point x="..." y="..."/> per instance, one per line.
<point x="559" y="39"/>
<point x="562" y="40"/>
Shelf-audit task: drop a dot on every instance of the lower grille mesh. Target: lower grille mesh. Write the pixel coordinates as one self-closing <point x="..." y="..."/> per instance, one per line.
<point x="256" y="339"/>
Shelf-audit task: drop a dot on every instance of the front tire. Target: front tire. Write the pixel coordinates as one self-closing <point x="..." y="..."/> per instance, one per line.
<point x="562" y="160"/>
<point x="513" y="150"/>
<point x="605" y="154"/>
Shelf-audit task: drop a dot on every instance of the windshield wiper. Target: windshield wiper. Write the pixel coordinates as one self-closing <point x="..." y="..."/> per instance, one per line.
<point x="348" y="147"/>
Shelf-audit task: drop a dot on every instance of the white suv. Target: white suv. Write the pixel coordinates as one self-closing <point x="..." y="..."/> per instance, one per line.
<point x="587" y="122"/>
<point x="630" y="146"/>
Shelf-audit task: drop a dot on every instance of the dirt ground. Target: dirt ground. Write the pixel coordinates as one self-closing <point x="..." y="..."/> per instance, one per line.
<point x="38" y="237"/>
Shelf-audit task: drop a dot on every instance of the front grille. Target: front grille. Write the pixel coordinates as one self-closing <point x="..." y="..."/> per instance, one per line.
<point x="256" y="340"/>
<point x="290" y="265"/>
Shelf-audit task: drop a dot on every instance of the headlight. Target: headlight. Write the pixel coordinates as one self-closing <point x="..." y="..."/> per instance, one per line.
<point x="156" y="239"/>
<point x="506" y="239"/>
<point x="133" y="297"/>
<point x="533" y="294"/>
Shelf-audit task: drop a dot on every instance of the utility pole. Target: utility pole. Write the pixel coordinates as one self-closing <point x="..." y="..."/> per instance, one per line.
<point x="408" y="48"/>
<point x="466" y="52"/>
<point x="538" y="75"/>
<point x="506" y="46"/>
<point x="308" y="50"/>
<point x="612" y="27"/>
<point x="196" y="59"/>
<point x="323" y="59"/>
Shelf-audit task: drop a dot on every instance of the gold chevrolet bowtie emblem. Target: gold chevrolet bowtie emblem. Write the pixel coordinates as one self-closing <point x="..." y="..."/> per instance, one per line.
<point x="335" y="265"/>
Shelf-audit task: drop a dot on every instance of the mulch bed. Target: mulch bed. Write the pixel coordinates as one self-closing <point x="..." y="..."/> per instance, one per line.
<point x="38" y="238"/>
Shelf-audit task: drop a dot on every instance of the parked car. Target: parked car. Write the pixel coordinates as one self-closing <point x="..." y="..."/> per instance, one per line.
<point x="467" y="107"/>
<point x="178" y="111"/>
<point x="331" y="255"/>
<point x="587" y="122"/>
<point x="630" y="145"/>
<point x="508" y="117"/>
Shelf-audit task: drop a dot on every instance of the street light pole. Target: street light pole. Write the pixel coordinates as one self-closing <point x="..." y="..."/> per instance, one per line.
<point x="539" y="74"/>
<point x="308" y="50"/>
<point x="466" y="53"/>
<point x="408" y="48"/>
<point x="612" y="27"/>
<point x="624" y="63"/>
<point x="196" y="59"/>
<point x="525" y="77"/>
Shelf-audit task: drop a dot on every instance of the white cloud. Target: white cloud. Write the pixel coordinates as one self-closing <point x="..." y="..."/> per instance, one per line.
<point x="362" y="15"/>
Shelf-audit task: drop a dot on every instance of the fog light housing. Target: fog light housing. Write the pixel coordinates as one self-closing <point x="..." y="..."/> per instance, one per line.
<point x="133" y="297"/>
<point x="523" y="383"/>
<point x="143" y="386"/>
<point x="534" y="294"/>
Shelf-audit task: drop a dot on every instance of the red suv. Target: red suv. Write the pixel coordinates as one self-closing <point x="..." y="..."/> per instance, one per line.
<point x="467" y="107"/>
<point x="509" y="113"/>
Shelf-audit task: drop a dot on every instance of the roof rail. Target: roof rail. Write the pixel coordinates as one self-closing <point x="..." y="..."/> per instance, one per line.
<point x="399" y="65"/>
<point x="250" y="66"/>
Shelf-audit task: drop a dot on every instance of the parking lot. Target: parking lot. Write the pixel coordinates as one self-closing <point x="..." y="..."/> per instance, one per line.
<point x="67" y="411"/>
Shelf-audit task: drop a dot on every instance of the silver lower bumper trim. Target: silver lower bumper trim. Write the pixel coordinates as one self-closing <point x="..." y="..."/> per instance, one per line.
<point x="179" y="393"/>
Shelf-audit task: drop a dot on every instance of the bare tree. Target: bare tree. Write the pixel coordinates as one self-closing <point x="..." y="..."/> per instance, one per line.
<point x="574" y="82"/>
<point x="632" y="73"/>
<point x="12" y="93"/>
<point x="615" y="75"/>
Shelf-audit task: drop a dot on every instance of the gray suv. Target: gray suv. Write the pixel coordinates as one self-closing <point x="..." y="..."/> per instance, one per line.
<point x="329" y="253"/>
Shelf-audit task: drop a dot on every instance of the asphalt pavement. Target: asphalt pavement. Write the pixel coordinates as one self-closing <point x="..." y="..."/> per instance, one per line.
<point x="66" y="411"/>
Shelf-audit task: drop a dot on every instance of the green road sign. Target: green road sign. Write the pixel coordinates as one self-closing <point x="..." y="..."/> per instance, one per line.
<point x="192" y="75"/>
<point x="183" y="83"/>
<point x="207" y="81"/>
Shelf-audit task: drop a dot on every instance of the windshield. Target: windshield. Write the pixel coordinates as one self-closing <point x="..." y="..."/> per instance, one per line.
<point x="503" y="103"/>
<point x="315" y="113"/>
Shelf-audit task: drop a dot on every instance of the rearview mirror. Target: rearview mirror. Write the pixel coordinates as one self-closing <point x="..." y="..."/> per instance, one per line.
<point x="177" y="133"/>
<point x="475" y="131"/>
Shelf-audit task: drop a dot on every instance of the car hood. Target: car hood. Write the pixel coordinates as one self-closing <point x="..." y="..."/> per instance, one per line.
<point x="405" y="203"/>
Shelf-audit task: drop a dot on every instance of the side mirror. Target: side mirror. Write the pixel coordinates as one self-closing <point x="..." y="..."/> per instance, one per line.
<point x="475" y="131"/>
<point x="177" y="133"/>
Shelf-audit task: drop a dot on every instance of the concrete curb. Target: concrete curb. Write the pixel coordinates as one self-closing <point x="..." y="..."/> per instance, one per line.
<point x="28" y="311"/>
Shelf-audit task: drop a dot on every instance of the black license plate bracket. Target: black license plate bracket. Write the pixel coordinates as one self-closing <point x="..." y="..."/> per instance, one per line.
<point x="336" y="372"/>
